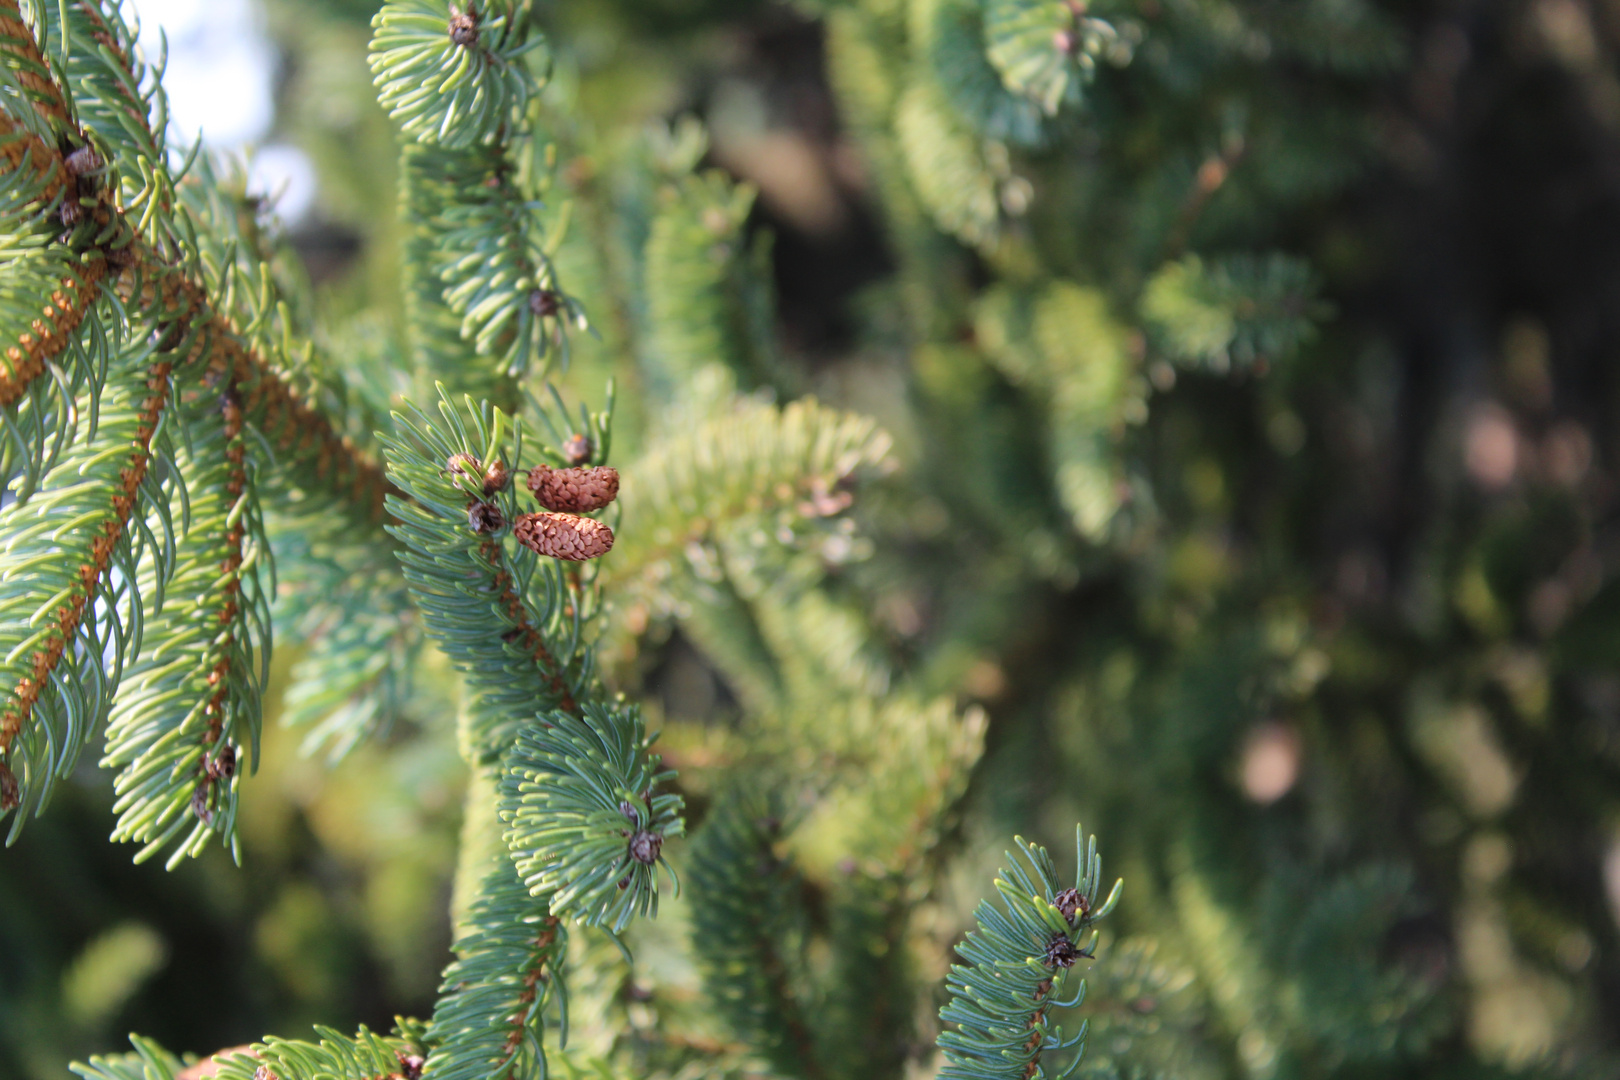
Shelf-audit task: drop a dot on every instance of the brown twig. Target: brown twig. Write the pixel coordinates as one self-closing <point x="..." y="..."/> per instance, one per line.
<point x="525" y="631"/>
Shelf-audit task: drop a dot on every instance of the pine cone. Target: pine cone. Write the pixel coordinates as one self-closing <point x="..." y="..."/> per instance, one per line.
<point x="563" y="536"/>
<point x="574" y="491"/>
<point x="10" y="792"/>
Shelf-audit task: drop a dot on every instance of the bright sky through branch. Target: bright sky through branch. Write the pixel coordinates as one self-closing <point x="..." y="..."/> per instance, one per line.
<point x="219" y="78"/>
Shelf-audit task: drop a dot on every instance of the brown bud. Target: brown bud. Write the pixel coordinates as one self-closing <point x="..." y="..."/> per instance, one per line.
<point x="645" y="846"/>
<point x="496" y="477"/>
<point x="1061" y="952"/>
<point x="1072" y="902"/>
<point x="199" y="803"/>
<point x="578" y="449"/>
<point x="545" y="303"/>
<point x="410" y="1065"/>
<point x="574" y="491"/>
<point x="263" y="1073"/>
<point x="485" y="518"/>
<point x="82" y="161"/>
<point x="224" y="766"/>
<point x="464" y="26"/>
<point x="10" y="791"/>
<point x="461" y="465"/>
<point x="70" y="212"/>
<point x="563" y="536"/>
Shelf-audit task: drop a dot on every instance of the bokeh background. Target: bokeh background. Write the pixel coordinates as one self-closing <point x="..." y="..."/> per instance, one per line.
<point x="1375" y="621"/>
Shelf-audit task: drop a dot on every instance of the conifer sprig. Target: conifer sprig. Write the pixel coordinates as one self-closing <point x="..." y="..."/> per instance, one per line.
<point x="186" y="728"/>
<point x="586" y="823"/>
<point x="1017" y="963"/>
<point x="512" y="622"/>
<point x="489" y="1023"/>
<point x="67" y="623"/>
<point x="748" y="931"/>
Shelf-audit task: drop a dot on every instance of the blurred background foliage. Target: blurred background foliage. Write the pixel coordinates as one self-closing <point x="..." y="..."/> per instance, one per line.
<point x="1299" y="585"/>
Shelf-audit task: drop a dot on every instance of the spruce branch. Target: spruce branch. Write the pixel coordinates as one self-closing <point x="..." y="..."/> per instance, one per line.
<point x="707" y="301"/>
<point x="1017" y="962"/>
<point x="62" y="545"/>
<point x="1047" y="51"/>
<point x="186" y="727"/>
<point x="782" y="469"/>
<point x="55" y="329"/>
<point x="480" y="256"/>
<point x="148" y="1061"/>
<point x="748" y="931"/>
<point x="1235" y="311"/>
<point x="512" y="622"/>
<point x="489" y="1023"/>
<point x="586" y="824"/>
<point x="452" y="78"/>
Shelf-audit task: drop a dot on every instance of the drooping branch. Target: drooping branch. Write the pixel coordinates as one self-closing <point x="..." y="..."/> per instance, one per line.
<point x="108" y="529"/>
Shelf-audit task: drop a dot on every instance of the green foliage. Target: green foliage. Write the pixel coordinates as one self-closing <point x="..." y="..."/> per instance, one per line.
<point x="509" y="620"/>
<point x="748" y="931"/>
<point x="703" y="301"/>
<point x="1017" y="963"/>
<point x="447" y="94"/>
<point x="955" y="177"/>
<point x="585" y="822"/>
<point x="1045" y="49"/>
<point x="149" y="1061"/>
<point x="186" y="730"/>
<point x="68" y="624"/>
<point x="1355" y="749"/>
<point x="490" y="1020"/>
<point x="1233" y="312"/>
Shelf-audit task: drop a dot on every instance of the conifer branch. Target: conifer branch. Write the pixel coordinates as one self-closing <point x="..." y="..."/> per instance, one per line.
<point x="586" y="823"/>
<point x="1018" y="960"/>
<point x="188" y="726"/>
<point x="56" y="574"/>
<point x="489" y="1023"/>
<point x="747" y="929"/>
<point x="783" y="467"/>
<point x="511" y="622"/>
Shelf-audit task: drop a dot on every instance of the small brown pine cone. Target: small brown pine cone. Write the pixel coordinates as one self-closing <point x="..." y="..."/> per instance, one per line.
<point x="563" y="536"/>
<point x="574" y="491"/>
<point x="10" y="791"/>
<point x="578" y="449"/>
<point x="645" y="846"/>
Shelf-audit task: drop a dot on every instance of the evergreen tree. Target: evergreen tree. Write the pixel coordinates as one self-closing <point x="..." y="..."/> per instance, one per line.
<point x="1060" y="549"/>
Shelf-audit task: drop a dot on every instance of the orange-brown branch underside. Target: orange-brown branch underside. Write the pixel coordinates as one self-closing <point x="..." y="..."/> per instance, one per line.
<point x="110" y="529"/>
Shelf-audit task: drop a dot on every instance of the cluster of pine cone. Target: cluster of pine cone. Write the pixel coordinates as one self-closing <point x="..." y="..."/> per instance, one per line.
<point x="559" y="531"/>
